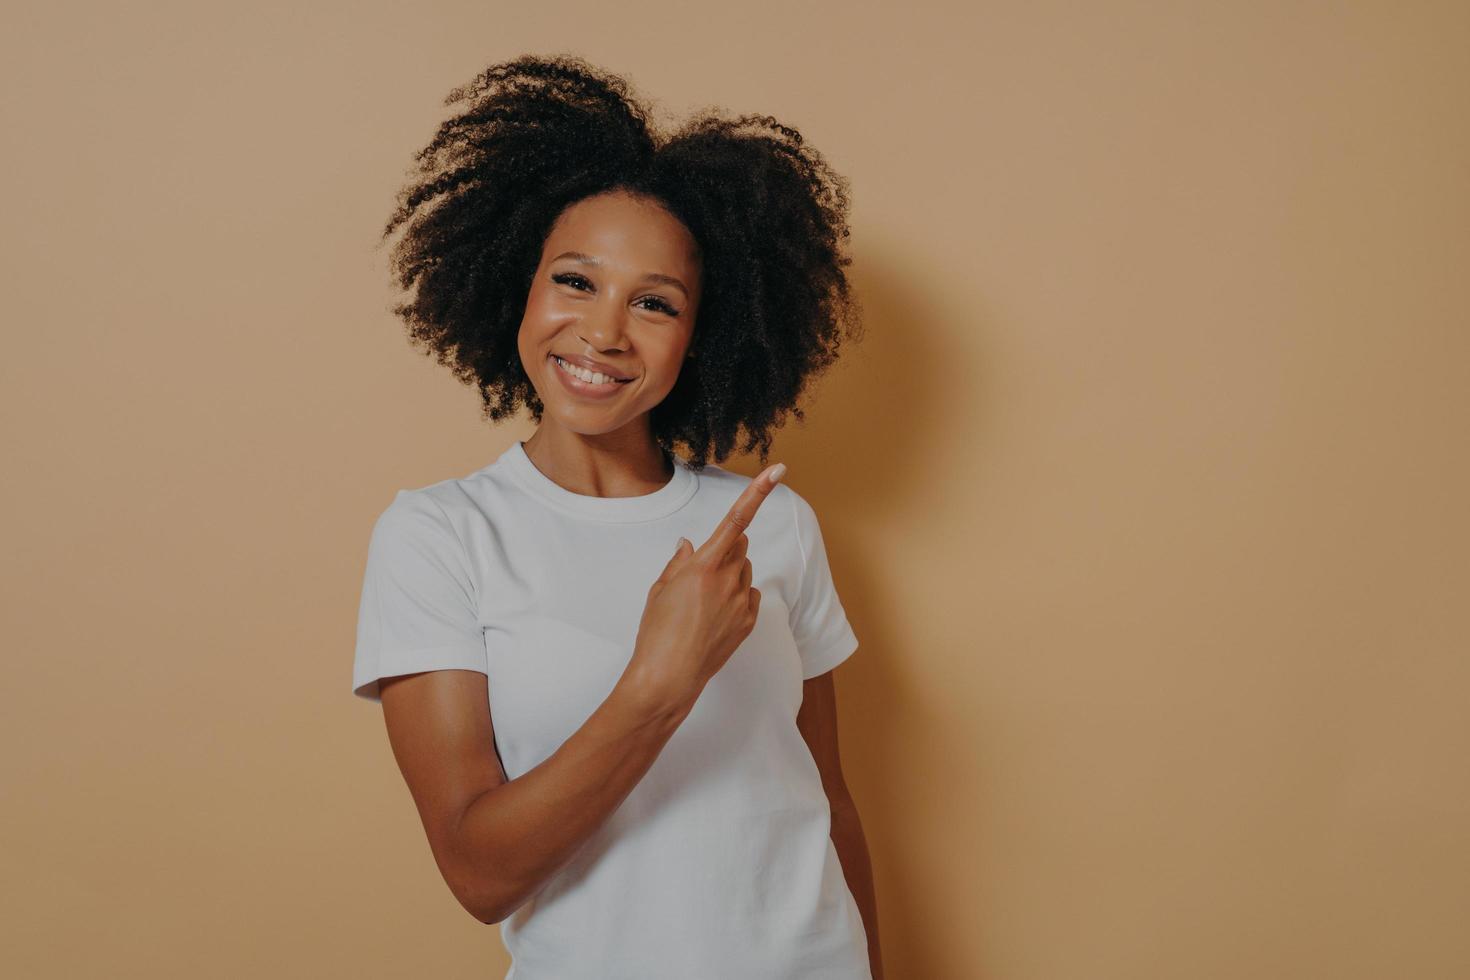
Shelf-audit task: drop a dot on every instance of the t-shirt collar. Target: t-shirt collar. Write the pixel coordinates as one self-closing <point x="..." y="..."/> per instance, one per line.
<point x="644" y="507"/>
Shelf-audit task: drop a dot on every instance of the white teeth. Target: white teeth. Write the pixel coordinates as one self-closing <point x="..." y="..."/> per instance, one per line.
<point x="593" y="377"/>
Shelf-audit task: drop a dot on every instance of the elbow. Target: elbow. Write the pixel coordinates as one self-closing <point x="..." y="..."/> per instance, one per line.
<point x="495" y="902"/>
<point x="481" y="895"/>
<point x="490" y="918"/>
<point x="490" y="900"/>
<point x="484" y="904"/>
<point x="485" y="897"/>
<point x="494" y="911"/>
<point x="487" y="882"/>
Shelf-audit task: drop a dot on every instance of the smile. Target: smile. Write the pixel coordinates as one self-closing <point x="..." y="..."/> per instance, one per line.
<point x="580" y="381"/>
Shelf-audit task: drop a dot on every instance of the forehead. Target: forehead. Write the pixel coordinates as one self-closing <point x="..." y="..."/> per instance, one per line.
<point x="628" y="234"/>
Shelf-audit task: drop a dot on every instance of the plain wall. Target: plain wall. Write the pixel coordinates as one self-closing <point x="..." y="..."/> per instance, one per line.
<point x="1145" y="491"/>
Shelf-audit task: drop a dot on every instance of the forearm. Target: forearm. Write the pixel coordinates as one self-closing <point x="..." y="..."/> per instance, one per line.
<point x="514" y="837"/>
<point x="857" y="868"/>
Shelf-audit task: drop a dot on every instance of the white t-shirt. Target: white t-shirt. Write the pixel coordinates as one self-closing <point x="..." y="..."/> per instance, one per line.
<point x="719" y="864"/>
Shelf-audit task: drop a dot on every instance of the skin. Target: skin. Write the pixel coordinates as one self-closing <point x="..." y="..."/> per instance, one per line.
<point x="817" y="720"/>
<point x="497" y="841"/>
<point x="611" y="312"/>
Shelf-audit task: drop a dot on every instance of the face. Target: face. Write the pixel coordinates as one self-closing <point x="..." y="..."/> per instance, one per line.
<point x="618" y="284"/>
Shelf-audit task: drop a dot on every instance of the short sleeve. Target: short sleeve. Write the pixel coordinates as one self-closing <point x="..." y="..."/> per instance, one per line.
<point x="418" y="609"/>
<point x="824" y="637"/>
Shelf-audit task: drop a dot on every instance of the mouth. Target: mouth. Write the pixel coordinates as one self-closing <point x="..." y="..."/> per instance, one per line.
<point x="581" y="381"/>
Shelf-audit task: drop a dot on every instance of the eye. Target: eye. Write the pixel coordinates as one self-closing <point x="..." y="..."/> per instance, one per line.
<point x="568" y="278"/>
<point x="577" y="282"/>
<point x="665" y="307"/>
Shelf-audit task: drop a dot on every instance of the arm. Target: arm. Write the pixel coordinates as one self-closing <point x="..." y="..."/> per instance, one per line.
<point x="852" y="850"/>
<point x="497" y="841"/>
<point x="817" y="721"/>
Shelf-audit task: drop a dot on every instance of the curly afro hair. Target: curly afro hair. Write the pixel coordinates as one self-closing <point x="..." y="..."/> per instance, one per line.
<point x="538" y="134"/>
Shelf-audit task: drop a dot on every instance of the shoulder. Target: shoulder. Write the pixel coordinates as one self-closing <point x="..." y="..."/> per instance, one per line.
<point x="417" y="505"/>
<point x="428" y="516"/>
<point x="416" y="540"/>
<point x="451" y="500"/>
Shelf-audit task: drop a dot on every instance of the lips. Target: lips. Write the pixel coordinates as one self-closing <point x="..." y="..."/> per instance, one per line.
<point x="598" y="391"/>
<point x="588" y="364"/>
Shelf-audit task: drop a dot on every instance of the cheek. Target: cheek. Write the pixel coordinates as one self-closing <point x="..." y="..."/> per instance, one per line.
<point x="537" y="323"/>
<point x="537" y="308"/>
<point x="669" y="366"/>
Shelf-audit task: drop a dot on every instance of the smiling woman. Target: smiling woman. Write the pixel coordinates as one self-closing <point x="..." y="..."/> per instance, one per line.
<point x="744" y="213"/>
<point x="659" y="793"/>
<point x="614" y="329"/>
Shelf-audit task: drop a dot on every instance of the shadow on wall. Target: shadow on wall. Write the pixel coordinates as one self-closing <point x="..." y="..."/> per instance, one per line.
<point x="863" y="457"/>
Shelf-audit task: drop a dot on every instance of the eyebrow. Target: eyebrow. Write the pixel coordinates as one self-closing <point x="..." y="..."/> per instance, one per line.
<point x="584" y="259"/>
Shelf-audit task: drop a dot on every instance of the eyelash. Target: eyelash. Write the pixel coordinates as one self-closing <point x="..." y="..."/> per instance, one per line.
<point x="567" y="277"/>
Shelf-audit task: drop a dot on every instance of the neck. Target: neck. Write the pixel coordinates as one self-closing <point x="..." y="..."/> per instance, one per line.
<point x="627" y="463"/>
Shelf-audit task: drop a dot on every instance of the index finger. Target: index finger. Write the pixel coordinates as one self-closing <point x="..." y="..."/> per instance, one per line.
<point x="743" y="511"/>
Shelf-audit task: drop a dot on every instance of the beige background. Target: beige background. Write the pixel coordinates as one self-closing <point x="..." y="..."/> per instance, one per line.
<point x="1146" y="491"/>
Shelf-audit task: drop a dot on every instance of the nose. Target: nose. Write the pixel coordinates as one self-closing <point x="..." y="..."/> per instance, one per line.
<point x="604" y="330"/>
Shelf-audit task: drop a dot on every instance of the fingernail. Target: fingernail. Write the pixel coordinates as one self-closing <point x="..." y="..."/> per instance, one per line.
<point x="778" y="472"/>
<point x="678" y="546"/>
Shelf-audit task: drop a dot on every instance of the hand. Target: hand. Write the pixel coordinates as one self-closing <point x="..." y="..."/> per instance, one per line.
<point x="702" y="607"/>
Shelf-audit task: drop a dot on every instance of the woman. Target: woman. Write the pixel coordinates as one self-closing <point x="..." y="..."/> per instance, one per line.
<point x="628" y="759"/>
